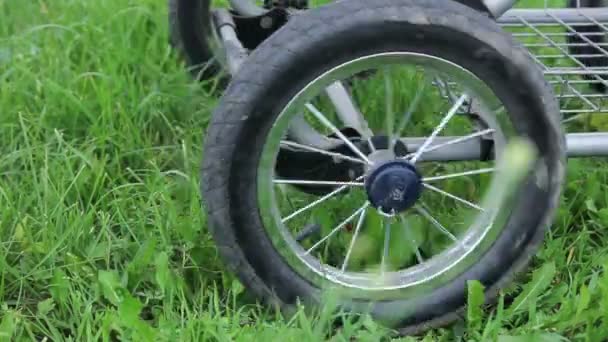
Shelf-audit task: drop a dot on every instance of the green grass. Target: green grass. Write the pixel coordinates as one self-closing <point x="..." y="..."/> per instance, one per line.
<point x="102" y="235"/>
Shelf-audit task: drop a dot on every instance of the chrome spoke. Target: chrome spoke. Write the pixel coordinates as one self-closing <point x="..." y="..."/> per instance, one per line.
<point x="439" y="128"/>
<point x="302" y="132"/>
<point x="456" y="141"/>
<point x="316" y="202"/>
<point x="335" y="230"/>
<point x="413" y="243"/>
<point x="320" y="151"/>
<point x="418" y="255"/>
<point x="411" y="109"/>
<point x="315" y="182"/>
<point x="353" y="240"/>
<point x="346" y="109"/>
<point x="454" y="197"/>
<point x="390" y="113"/>
<point x="459" y="174"/>
<point x="336" y="131"/>
<point x="422" y="211"/>
<point x="370" y="143"/>
<point x="387" y="238"/>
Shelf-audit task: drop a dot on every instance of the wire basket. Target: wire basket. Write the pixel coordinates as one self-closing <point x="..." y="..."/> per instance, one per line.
<point x="571" y="46"/>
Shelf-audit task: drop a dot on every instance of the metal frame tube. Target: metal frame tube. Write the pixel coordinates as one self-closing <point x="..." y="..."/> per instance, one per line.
<point x="548" y="15"/>
<point x="347" y="110"/>
<point x="579" y="145"/>
<point x="587" y="144"/>
<point x="466" y="150"/>
<point x="235" y="52"/>
<point x="247" y="8"/>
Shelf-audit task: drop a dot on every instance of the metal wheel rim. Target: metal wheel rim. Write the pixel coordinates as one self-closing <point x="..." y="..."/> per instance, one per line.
<point x="404" y="283"/>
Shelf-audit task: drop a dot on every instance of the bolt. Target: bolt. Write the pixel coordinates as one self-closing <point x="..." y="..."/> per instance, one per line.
<point x="266" y="23"/>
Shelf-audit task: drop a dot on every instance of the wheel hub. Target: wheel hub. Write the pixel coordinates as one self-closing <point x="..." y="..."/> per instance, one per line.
<point x="393" y="186"/>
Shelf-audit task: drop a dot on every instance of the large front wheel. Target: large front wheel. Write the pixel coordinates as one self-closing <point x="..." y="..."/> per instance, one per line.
<point x="388" y="209"/>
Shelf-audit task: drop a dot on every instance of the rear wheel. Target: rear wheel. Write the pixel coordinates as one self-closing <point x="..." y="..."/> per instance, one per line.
<point x="390" y="212"/>
<point x="192" y="32"/>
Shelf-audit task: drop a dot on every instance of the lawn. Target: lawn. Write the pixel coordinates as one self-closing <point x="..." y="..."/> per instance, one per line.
<point x="102" y="233"/>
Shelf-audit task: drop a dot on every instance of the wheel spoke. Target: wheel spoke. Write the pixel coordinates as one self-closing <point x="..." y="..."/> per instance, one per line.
<point x="422" y="211"/>
<point x="387" y="238"/>
<point x="452" y="142"/>
<point x="316" y="202"/>
<point x="455" y="141"/>
<point x="336" y="131"/>
<point x="346" y="109"/>
<point x="335" y="230"/>
<point x="411" y="109"/>
<point x="454" y="197"/>
<point x="459" y="174"/>
<point x="412" y="241"/>
<point x="439" y="128"/>
<point x="320" y="151"/>
<point x="302" y="132"/>
<point x="353" y="240"/>
<point x="389" y="102"/>
<point x="370" y="143"/>
<point x="315" y="182"/>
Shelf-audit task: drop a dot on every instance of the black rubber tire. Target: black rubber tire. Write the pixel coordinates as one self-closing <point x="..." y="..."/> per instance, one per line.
<point x="268" y="80"/>
<point x="588" y="49"/>
<point x="188" y="28"/>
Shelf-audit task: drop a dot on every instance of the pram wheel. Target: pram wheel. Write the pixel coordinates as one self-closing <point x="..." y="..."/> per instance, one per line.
<point x="194" y="31"/>
<point x="193" y="34"/>
<point x="420" y="218"/>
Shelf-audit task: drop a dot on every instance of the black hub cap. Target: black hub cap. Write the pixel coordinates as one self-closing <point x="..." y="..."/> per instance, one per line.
<point x="393" y="186"/>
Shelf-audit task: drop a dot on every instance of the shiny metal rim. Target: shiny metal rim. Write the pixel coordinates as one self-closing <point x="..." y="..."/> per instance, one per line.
<point x="427" y="274"/>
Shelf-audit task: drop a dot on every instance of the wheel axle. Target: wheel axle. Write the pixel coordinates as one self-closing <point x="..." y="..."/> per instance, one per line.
<point x="393" y="186"/>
